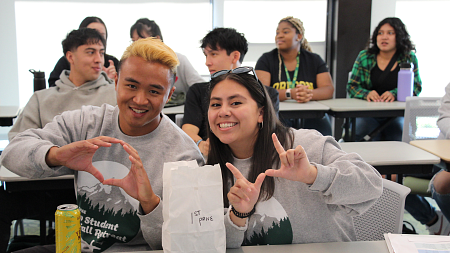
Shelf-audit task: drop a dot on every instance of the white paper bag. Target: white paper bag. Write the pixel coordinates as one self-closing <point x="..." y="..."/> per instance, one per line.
<point x="192" y="208"/>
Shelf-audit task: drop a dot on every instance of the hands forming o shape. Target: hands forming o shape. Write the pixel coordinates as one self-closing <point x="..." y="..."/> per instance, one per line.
<point x="295" y="165"/>
<point x="78" y="156"/>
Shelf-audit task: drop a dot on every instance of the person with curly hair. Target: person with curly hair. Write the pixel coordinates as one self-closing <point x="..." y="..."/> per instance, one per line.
<point x="296" y="72"/>
<point x="389" y="46"/>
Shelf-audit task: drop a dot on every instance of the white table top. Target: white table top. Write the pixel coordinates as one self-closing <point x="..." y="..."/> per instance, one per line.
<point x="8" y="176"/>
<point x="354" y="104"/>
<point x="381" y="153"/>
<point x="9" y="111"/>
<point x="174" y="110"/>
<point x="334" y="247"/>
<point x="292" y="105"/>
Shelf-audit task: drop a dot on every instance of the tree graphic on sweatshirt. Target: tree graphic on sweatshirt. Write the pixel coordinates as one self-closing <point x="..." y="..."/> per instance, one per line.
<point x="269" y="225"/>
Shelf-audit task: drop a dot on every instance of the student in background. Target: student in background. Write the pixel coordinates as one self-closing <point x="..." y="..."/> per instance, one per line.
<point x="110" y="62"/>
<point x="281" y="185"/>
<point x="186" y="74"/>
<point x="84" y="84"/>
<point x="224" y="48"/>
<point x="109" y="147"/>
<point x="295" y="71"/>
<point x="372" y="80"/>
<point x="440" y="184"/>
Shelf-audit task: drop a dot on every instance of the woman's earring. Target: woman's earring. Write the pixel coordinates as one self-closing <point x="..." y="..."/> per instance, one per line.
<point x="262" y="125"/>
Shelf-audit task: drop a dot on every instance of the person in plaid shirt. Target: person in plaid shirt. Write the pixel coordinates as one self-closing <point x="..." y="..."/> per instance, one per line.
<point x="390" y="41"/>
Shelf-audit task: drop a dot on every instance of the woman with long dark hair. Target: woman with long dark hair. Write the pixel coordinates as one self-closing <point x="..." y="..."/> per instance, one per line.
<point x="110" y="64"/>
<point x="281" y="185"/>
<point x="375" y="72"/>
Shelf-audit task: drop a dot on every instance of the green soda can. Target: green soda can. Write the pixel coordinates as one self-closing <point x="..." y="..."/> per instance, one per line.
<point x="68" y="232"/>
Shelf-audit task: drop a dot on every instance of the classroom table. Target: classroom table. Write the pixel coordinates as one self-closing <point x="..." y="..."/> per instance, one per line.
<point x="7" y="114"/>
<point x="329" y="247"/>
<point x="12" y="182"/>
<point x="351" y="108"/>
<point x="172" y="111"/>
<point x="393" y="157"/>
<point x="440" y="148"/>
<point x="289" y="109"/>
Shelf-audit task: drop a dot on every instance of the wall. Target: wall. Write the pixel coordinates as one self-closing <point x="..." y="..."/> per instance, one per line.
<point x="9" y="90"/>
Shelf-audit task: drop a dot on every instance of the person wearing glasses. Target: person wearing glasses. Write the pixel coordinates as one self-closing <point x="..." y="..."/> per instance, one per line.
<point x="296" y="72"/>
<point x="281" y="185"/>
<point x="224" y="49"/>
<point x="110" y="62"/>
<point x="186" y="74"/>
<point x="375" y="72"/>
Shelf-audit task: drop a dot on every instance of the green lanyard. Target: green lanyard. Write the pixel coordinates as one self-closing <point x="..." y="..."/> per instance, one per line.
<point x="292" y="84"/>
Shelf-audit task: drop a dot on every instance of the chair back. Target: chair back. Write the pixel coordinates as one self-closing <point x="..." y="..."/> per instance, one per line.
<point x="385" y="216"/>
<point x="421" y="114"/>
<point x="179" y="120"/>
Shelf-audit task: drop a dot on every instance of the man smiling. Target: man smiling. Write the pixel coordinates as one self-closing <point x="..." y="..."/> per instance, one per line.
<point x="105" y="147"/>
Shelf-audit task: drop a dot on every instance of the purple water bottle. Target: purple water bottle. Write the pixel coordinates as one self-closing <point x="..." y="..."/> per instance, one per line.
<point x="405" y="82"/>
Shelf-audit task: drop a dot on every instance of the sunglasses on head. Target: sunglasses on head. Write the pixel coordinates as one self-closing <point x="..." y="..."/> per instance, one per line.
<point x="240" y="70"/>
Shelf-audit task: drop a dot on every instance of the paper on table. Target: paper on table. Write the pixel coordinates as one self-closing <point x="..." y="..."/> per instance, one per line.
<point x="402" y="243"/>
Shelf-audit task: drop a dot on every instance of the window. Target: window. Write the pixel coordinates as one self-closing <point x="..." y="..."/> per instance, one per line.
<point x="428" y="33"/>
<point x="258" y="20"/>
<point x="41" y="26"/>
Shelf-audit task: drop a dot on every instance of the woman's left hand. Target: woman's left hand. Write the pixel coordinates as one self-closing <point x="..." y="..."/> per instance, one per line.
<point x="387" y="96"/>
<point x="295" y="165"/>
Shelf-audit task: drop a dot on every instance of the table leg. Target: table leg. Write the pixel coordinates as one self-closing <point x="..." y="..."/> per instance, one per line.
<point x="347" y="136"/>
<point x="353" y="129"/>
<point x="42" y="221"/>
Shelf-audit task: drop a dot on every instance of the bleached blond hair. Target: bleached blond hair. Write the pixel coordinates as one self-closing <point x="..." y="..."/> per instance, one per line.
<point x="152" y="50"/>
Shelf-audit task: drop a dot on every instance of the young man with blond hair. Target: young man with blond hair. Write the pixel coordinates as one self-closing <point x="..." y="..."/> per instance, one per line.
<point x="112" y="151"/>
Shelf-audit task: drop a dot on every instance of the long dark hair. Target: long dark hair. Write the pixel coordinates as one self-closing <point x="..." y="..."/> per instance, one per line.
<point x="148" y="26"/>
<point x="403" y="42"/>
<point x="264" y="153"/>
<point x="88" y="20"/>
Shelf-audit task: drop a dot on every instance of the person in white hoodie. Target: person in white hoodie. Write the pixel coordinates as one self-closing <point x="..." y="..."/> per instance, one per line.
<point x="84" y="84"/>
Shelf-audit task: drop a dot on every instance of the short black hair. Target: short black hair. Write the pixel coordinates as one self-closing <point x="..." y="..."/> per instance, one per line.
<point x="228" y="39"/>
<point x="88" y="20"/>
<point x="148" y="26"/>
<point x="83" y="36"/>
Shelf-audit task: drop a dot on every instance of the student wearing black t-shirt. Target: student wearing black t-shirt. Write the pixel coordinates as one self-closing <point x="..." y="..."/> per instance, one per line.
<point x="224" y="49"/>
<point x="295" y="71"/>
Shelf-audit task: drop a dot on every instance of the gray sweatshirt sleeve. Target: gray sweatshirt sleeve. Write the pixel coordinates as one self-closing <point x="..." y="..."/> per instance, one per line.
<point x="344" y="179"/>
<point x="25" y="154"/>
<point x="444" y="115"/>
<point x="151" y="226"/>
<point x="235" y="234"/>
<point x="28" y="118"/>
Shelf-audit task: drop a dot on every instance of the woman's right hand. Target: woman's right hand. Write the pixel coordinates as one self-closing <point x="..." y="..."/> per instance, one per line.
<point x="244" y="194"/>
<point x="204" y="147"/>
<point x="373" y="96"/>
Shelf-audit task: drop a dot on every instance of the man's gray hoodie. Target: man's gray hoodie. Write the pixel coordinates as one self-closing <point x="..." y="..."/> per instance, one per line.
<point x="44" y="105"/>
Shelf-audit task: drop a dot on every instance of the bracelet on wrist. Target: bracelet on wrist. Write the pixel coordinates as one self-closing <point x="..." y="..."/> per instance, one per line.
<point x="242" y="215"/>
<point x="198" y="142"/>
